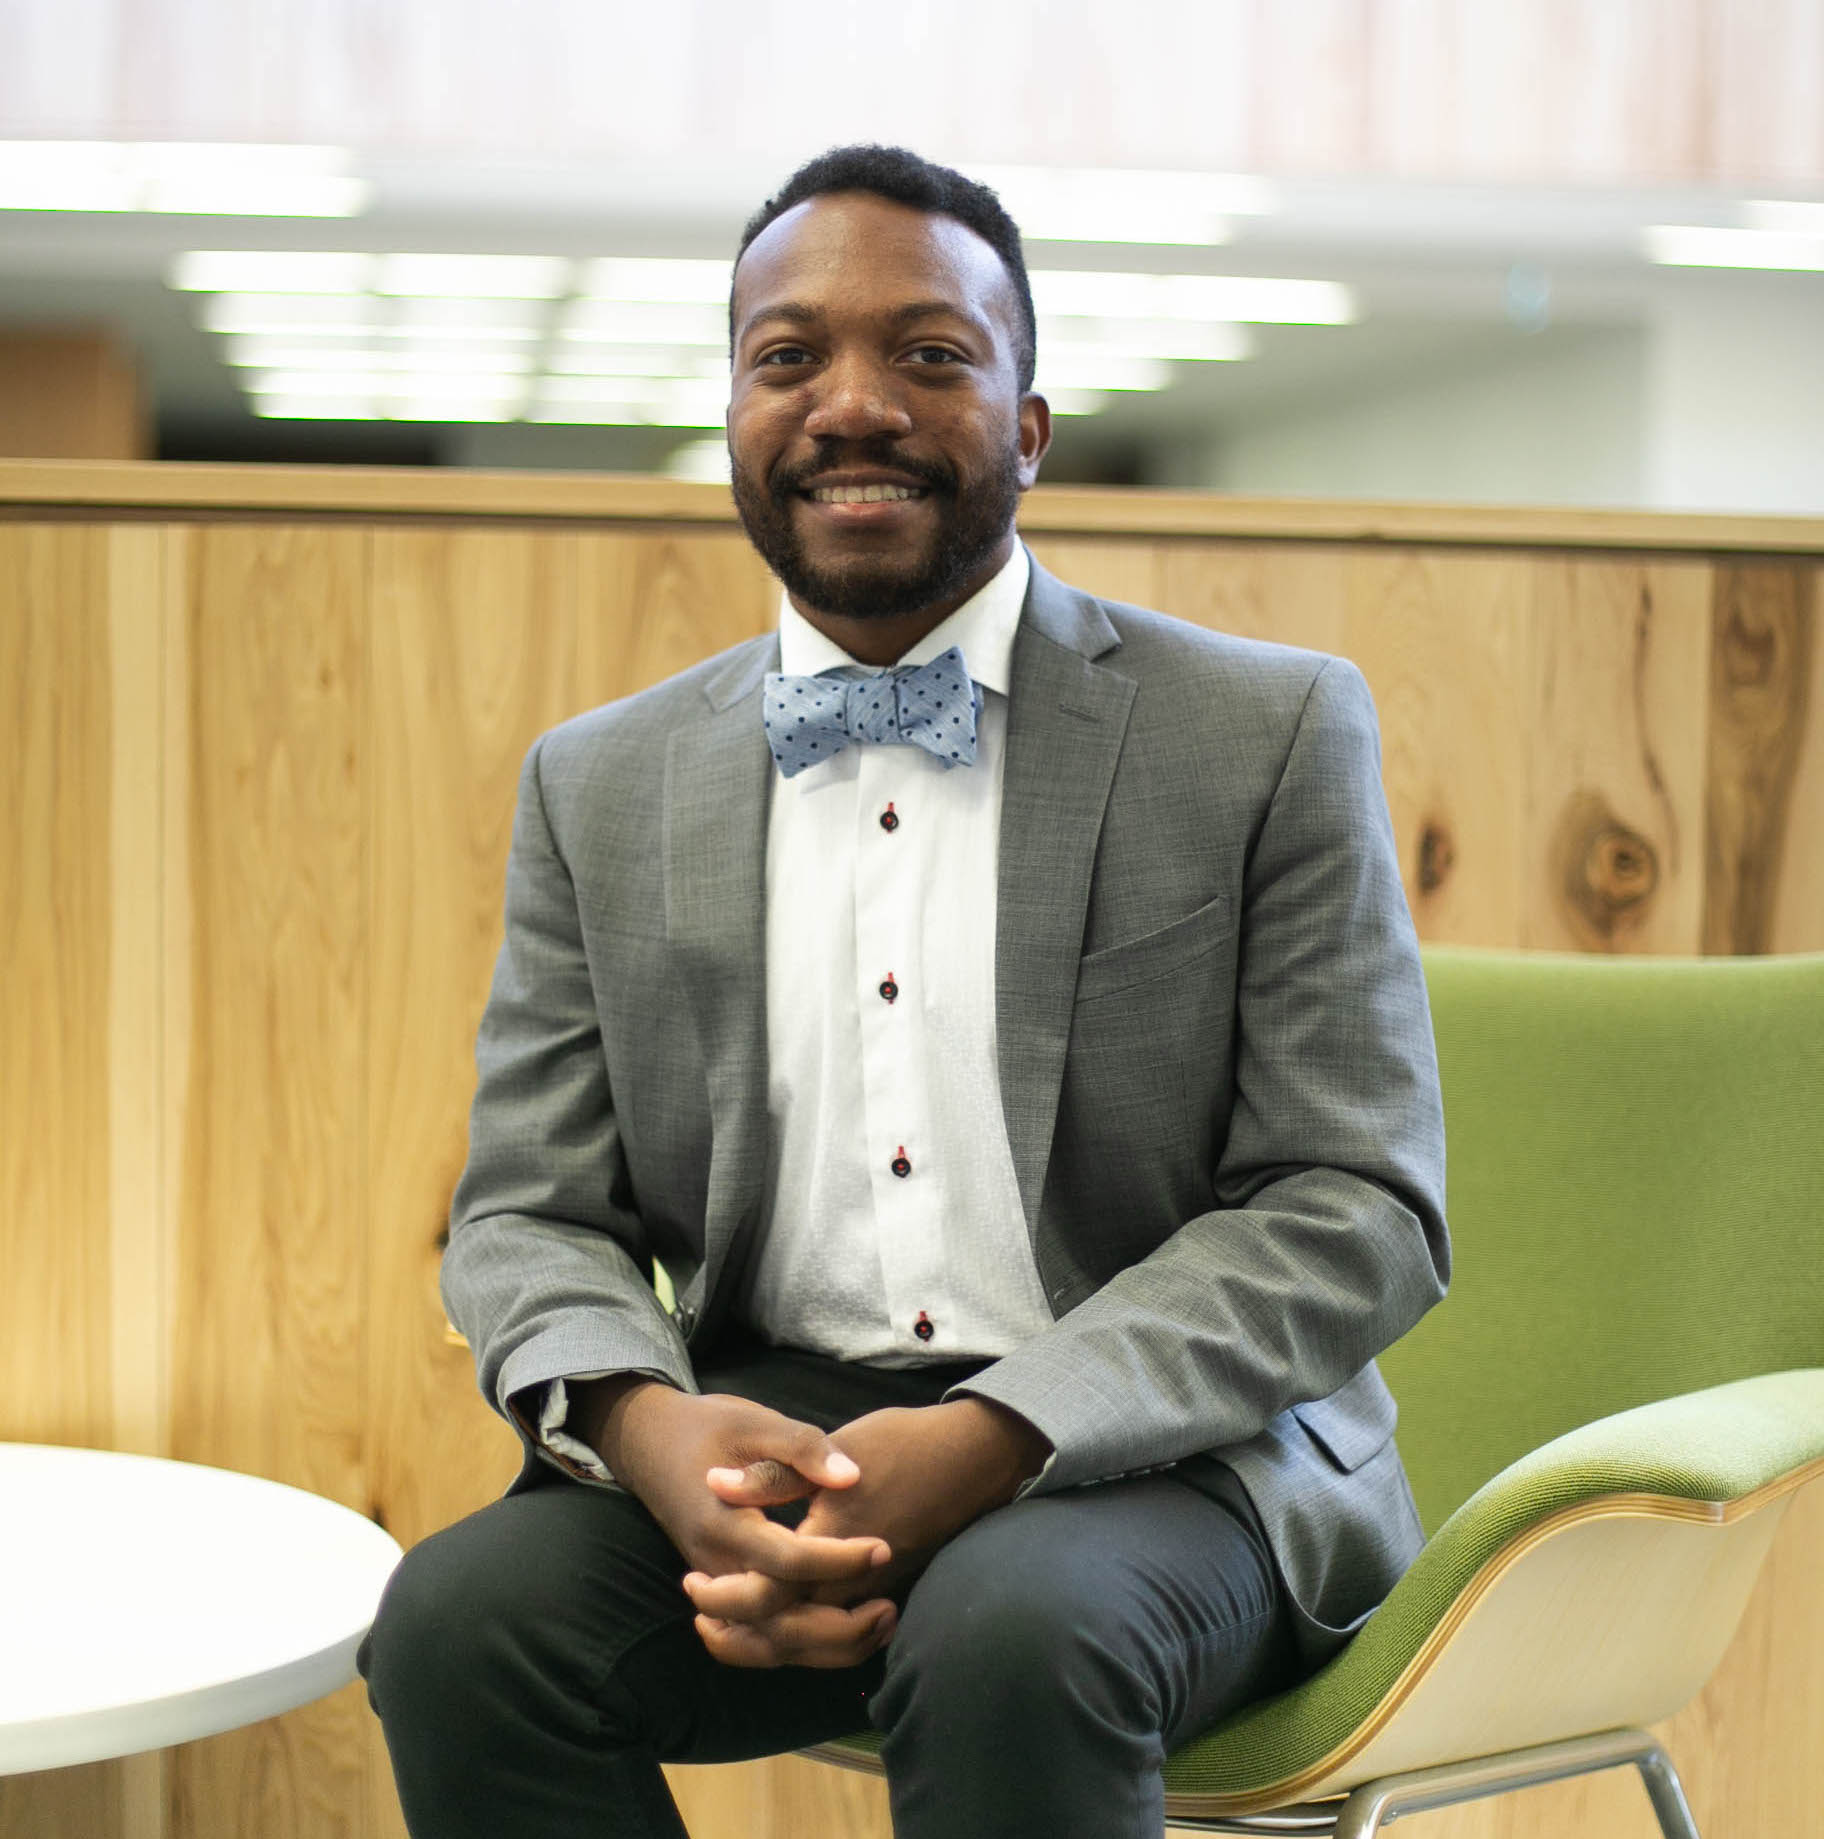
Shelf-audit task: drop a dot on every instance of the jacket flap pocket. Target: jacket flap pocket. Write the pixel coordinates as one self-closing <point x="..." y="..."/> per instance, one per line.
<point x="1353" y="1423"/>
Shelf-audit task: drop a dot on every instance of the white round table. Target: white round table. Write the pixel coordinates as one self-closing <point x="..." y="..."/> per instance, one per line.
<point x="144" y="1603"/>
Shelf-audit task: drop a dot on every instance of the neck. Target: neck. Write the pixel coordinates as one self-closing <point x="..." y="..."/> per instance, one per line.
<point x="885" y="641"/>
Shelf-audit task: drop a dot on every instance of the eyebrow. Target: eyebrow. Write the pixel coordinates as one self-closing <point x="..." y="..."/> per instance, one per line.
<point x="799" y="313"/>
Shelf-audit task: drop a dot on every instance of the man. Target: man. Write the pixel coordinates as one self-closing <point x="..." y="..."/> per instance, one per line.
<point x="1020" y="1064"/>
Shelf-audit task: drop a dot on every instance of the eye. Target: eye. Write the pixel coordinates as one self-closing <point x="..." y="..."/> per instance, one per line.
<point x="783" y="357"/>
<point x="935" y="355"/>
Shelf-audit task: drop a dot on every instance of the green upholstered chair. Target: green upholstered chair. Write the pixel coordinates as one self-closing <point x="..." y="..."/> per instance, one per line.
<point x="1606" y="1418"/>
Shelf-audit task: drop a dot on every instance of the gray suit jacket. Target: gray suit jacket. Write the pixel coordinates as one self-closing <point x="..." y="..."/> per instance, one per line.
<point x="1215" y="1060"/>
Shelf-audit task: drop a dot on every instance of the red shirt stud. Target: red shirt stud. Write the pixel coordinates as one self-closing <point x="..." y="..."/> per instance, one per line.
<point x="899" y="1165"/>
<point x="889" y="819"/>
<point x="924" y="1327"/>
<point x="889" y="990"/>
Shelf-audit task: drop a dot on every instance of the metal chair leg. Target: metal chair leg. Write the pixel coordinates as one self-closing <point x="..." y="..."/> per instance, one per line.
<point x="1375" y="1804"/>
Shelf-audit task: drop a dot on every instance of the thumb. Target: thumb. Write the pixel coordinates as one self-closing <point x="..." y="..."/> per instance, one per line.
<point x="765" y="1483"/>
<point x="768" y="1482"/>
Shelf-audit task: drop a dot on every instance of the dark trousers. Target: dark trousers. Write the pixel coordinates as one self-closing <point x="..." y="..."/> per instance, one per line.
<point x="533" y="1664"/>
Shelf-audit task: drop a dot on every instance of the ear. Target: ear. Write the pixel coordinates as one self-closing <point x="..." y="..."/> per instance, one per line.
<point x="1035" y="436"/>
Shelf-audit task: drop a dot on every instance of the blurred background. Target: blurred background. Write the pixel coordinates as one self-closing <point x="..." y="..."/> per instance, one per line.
<point x="1567" y="252"/>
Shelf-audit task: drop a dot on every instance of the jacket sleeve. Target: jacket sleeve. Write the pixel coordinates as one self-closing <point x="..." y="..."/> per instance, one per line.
<point x="548" y="1270"/>
<point x="1326" y="1240"/>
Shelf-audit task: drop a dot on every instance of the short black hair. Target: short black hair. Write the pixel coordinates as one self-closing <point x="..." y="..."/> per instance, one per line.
<point x="903" y="177"/>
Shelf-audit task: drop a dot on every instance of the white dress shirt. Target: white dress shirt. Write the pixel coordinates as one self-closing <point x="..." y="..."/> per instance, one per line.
<point x="854" y="1259"/>
<point x="891" y="1229"/>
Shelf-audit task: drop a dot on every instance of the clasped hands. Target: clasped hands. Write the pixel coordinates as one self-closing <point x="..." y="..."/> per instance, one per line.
<point x="885" y="1492"/>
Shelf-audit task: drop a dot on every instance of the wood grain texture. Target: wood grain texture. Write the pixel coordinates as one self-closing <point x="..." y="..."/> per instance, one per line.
<point x="474" y="653"/>
<point x="1446" y="642"/>
<point x="1763" y="643"/>
<point x="1619" y="681"/>
<point x="143" y="600"/>
<point x="56" y="934"/>
<point x="1113" y="568"/>
<point x="1577" y="91"/>
<point x="271" y="1293"/>
<point x="651" y="603"/>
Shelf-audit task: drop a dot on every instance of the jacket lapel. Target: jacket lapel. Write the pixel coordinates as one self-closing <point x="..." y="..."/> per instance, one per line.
<point x="1066" y="719"/>
<point x="717" y="775"/>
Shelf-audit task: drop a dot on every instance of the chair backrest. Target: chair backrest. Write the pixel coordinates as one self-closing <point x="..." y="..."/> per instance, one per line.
<point x="1635" y="1193"/>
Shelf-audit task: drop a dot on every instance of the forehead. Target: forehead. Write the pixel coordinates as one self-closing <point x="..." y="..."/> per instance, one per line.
<point x="854" y="251"/>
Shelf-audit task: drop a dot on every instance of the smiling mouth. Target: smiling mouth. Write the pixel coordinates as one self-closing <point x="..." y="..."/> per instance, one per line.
<point x="864" y="494"/>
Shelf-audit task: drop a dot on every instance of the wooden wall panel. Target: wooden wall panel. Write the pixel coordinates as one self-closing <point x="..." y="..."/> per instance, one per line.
<point x="55" y="937"/>
<point x="271" y="1292"/>
<point x="1798" y="891"/>
<point x="1763" y="727"/>
<point x="1620" y="681"/>
<point x="474" y="649"/>
<point x="1445" y="642"/>
<point x="655" y="602"/>
<point x="1116" y="568"/>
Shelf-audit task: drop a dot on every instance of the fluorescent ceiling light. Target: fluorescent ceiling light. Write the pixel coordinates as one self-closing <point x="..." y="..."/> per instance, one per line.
<point x="1076" y="402"/>
<point x="626" y="415"/>
<point x="517" y="277"/>
<point x="341" y="317"/>
<point x="646" y="323"/>
<point x="348" y="383"/>
<point x="288" y="315"/>
<point x="1219" y="341"/>
<point x="622" y="277"/>
<point x="631" y="401"/>
<point x="638" y="361"/>
<point x="1112" y="205"/>
<point x="711" y="394"/>
<point x="1787" y="216"/>
<point x="1112" y="294"/>
<point x="1088" y="367"/>
<point x="180" y="177"/>
<point x="314" y="271"/>
<point x="66" y="176"/>
<point x="1698" y="246"/>
<point x="317" y="408"/>
<point x="457" y="316"/>
<point x="449" y="408"/>
<point x="440" y="360"/>
<point x="271" y="271"/>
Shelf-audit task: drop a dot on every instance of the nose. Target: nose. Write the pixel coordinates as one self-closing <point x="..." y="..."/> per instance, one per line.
<point x="855" y="398"/>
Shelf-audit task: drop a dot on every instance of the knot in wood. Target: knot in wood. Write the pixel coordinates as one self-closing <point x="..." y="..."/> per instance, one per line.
<point x="1608" y="870"/>
<point x="1750" y="648"/>
<point x="1620" y="867"/>
<point x="1437" y="857"/>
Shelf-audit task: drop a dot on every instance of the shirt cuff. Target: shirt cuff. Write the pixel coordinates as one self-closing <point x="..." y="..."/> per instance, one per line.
<point x="571" y="1453"/>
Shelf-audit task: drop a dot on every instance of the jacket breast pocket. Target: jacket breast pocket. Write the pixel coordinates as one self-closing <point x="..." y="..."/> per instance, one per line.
<point x="1170" y="951"/>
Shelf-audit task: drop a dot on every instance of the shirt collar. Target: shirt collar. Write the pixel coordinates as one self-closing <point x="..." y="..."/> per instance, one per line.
<point x="984" y="626"/>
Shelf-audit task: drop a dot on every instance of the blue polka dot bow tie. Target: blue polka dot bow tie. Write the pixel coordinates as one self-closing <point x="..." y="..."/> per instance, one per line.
<point x="932" y="706"/>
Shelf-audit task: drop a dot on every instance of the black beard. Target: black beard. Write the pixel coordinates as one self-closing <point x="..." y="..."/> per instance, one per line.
<point x="970" y="526"/>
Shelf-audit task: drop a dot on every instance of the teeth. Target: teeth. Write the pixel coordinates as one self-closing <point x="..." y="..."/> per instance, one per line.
<point x="862" y="494"/>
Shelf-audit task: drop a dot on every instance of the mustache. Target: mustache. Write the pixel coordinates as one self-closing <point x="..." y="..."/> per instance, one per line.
<point x="829" y="455"/>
